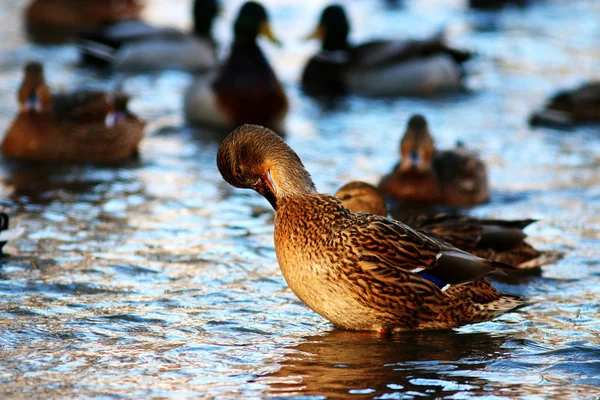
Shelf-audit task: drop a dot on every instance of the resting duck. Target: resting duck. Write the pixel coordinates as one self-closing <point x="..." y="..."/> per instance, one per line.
<point x="495" y="4"/>
<point x="54" y="21"/>
<point x="425" y="176"/>
<point x="379" y="68"/>
<point x="135" y="45"/>
<point x="79" y="127"/>
<point x="360" y="271"/>
<point x="579" y="105"/>
<point x="498" y="240"/>
<point x="7" y="234"/>
<point x="245" y="88"/>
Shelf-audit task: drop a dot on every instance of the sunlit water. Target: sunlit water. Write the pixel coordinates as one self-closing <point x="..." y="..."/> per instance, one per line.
<point x="157" y="279"/>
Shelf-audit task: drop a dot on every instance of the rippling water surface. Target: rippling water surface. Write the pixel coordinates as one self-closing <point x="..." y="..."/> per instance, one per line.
<point x="157" y="279"/>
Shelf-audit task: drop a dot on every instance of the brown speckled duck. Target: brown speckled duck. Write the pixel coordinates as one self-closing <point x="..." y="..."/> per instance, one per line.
<point x="360" y="271"/>
<point x="426" y="176"/>
<point x="78" y="127"/>
<point x="493" y="239"/>
<point x="567" y="107"/>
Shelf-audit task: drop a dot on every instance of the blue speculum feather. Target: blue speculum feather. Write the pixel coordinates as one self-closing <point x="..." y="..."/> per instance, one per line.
<point x="436" y="281"/>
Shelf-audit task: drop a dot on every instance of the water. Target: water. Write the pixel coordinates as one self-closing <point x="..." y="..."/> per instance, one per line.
<point x="157" y="279"/>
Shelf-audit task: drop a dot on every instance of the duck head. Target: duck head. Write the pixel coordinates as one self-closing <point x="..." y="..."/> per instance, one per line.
<point x="204" y="13"/>
<point x="416" y="147"/>
<point x="253" y="21"/>
<point x="360" y="196"/>
<point x="29" y="98"/>
<point x="254" y="157"/>
<point x="333" y="29"/>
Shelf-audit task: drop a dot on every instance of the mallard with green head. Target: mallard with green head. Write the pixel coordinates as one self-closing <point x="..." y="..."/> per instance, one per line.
<point x="360" y="271"/>
<point x="379" y="68"/>
<point x="138" y="46"/>
<point x="245" y="88"/>
<point x="493" y="239"/>
<point x="425" y="176"/>
<point x="78" y="127"/>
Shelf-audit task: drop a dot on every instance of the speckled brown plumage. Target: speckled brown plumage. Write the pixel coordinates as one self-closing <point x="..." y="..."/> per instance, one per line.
<point x="426" y="176"/>
<point x="78" y="127"/>
<point x="360" y="271"/>
<point x="493" y="239"/>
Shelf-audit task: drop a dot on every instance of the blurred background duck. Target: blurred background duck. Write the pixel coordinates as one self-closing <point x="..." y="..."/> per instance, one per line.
<point x="425" y="176"/>
<point x="494" y="239"/>
<point x="245" y="88"/>
<point x="567" y="107"/>
<point x="55" y="21"/>
<point x="379" y="68"/>
<point x="136" y="45"/>
<point x="78" y="127"/>
<point x="6" y="233"/>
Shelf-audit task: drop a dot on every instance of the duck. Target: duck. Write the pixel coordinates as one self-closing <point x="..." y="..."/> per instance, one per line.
<point x="57" y="21"/>
<point x="425" y="176"/>
<point x="496" y="4"/>
<point x="379" y="68"/>
<point x="138" y="46"/>
<point x="79" y="127"/>
<point x="6" y="233"/>
<point x="568" y="107"/>
<point x="494" y="239"/>
<point x="245" y="89"/>
<point x="360" y="271"/>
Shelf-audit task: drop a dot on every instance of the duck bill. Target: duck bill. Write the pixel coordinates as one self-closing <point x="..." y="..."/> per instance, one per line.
<point x="266" y="189"/>
<point x="318" y="33"/>
<point x="265" y="30"/>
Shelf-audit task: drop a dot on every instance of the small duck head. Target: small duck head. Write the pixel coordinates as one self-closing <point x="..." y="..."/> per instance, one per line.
<point x="360" y="196"/>
<point x="416" y="147"/>
<point x="255" y="157"/>
<point x="119" y="111"/>
<point x="333" y="29"/>
<point x="33" y="79"/>
<point x="204" y="13"/>
<point x="253" y="21"/>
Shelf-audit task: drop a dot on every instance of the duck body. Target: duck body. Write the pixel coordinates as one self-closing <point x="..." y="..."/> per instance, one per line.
<point x="360" y="271"/>
<point x="77" y="127"/>
<point x="576" y="106"/>
<point x="245" y="88"/>
<point x="139" y="46"/>
<point x="426" y="176"/>
<point x="54" y="21"/>
<point x="379" y="68"/>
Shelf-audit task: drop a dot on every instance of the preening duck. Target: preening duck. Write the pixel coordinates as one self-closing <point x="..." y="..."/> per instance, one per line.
<point x="77" y="127"/>
<point x="245" y="89"/>
<point x="493" y="239"/>
<point x="426" y="176"/>
<point x="138" y="46"/>
<point x="360" y="271"/>
<point x="379" y="68"/>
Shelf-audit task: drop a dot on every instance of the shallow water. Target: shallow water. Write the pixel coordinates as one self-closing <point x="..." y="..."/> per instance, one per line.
<point x="157" y="279"/>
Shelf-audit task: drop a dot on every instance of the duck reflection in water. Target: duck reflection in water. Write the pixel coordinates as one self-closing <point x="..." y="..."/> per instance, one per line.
<point x="343" y="363"/>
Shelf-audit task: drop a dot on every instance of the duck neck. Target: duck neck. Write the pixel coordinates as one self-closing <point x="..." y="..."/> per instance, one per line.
<point x="203" y="26"/>
<point x="335" y="41"/>
<point x="291" y="180"/>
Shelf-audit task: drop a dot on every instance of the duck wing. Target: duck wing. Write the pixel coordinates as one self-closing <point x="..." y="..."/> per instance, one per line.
<point x="381" y="53"/>
<point x="385" y="247"/>
<point x="81" y="106"/>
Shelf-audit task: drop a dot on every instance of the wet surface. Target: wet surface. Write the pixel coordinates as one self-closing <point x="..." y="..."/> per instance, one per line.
<point x="157" y="279"/>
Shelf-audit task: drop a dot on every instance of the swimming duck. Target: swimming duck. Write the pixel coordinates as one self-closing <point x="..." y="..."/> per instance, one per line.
<point x="425" y="176"/>
<point x="495" y="4"/>
<point x="136" y="45"/>
<point x="54" y="21"/>
<point x="498" y="240"/>
<point x="379" y="68"/>
<point x="360" y="271"/>
<point x="6" y="233"/>
<point x="78" y="127"/>
<point x="579" y="105"/>
<point x="245" y="88"/>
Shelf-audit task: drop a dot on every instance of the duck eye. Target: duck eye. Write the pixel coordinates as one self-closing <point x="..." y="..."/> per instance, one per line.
<point x="238" y="170"/>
